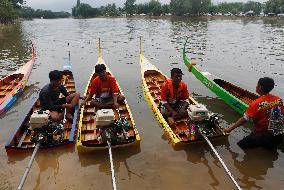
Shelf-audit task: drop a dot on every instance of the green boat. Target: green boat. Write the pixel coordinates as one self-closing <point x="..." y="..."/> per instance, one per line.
<point x="234" y="96"/>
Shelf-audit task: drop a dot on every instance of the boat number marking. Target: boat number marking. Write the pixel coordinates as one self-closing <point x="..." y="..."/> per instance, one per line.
<point x="208" y="83"/>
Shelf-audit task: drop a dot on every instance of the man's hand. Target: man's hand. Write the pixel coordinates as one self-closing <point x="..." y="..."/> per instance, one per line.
<point x="240" y="122"/>
<point x="174" y="114"/>
<point x="83" y="103"/>
<point x="84" y="100"/>
<point x="227" y="130"/>
<point x="67" y="106"/>
<point x="115" y="105"/>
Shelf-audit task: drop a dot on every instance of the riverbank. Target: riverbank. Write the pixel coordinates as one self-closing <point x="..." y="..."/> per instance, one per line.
<point x="195" y="17"/>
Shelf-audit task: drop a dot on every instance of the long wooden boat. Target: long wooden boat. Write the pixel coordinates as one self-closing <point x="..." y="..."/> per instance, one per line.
<point x="236" y="97"/>
<point x="88" y="138"/>
<point x="12" y="86"/>
<point x="21" y="141"/>
<point x="178" y="134"/>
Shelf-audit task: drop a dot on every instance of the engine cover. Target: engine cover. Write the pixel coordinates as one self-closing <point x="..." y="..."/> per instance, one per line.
<point x="39" y="119"/>
<point x="197" y="112"/>
<point x="104" y="117"/>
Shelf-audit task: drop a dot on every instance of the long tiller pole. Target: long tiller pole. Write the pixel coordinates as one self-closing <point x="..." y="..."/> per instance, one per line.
<point x="69" y="59"/>
<point x="20" y="187"/>
<point x="99" y="49"/>
<point x="222" y="162"/>
<point x="111" y="166"/>
<point x="140" y="44"/>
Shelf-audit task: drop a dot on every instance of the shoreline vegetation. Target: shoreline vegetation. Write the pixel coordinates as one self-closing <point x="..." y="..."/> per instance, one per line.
<point x="181" y="8"/>
<point x="13" y="10"/>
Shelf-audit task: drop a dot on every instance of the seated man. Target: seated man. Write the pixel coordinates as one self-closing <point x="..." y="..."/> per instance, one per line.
<point x="260" y="111"/>
<point x="49" y="98"/>
<point x="105" y="88"/>
<point x="174" y="97"/>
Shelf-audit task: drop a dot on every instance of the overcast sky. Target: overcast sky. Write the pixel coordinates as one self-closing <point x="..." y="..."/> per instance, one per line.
<point x="66" y="5"/>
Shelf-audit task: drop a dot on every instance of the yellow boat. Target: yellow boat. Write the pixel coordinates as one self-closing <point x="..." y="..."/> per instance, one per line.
<point x="180" y="133"/>
<point x="88" y="138"/>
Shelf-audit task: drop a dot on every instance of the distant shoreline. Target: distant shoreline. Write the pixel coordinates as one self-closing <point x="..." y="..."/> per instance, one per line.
<point x="188" y="17"/>
<point x="165" y="17"/>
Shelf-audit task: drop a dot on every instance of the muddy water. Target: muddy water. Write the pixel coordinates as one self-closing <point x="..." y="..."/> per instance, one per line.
<point x="240" y="51"/>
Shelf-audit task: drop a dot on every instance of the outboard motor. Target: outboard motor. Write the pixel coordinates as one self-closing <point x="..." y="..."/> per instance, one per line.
<point x="210" y="124"/>
<point x="45" y="131"/>
<point x="109" y="128"/>
<point x="213" y="120"/>
<point x="197" y="112"/>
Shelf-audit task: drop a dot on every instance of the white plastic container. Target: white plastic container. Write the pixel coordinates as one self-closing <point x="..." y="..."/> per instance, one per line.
<point x="197" y="112"/>
<point x="39" y="119"/>
<point x="104" y="117"/>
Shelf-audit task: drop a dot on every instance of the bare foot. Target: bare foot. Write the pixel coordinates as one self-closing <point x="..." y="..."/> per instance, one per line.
<point x="171" y="121"/>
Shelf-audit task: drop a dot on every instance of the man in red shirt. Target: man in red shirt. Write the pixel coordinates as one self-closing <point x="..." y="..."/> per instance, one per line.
<point x="267" y="113"/>
<point x="174" y="95"/>
<point x="105" y="88"/>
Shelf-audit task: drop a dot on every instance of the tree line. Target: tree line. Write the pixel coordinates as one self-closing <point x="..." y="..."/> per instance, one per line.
<point x="178" y="8"/>
<point x="29" y="13"/>
<point x="13" y="9"/>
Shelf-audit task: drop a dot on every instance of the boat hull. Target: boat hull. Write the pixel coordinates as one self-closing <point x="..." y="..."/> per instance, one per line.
<point x="86" y="137"/>
<point x="174" y="137"/>
<point x="12" y="86"/>
<point x="239" y="104"/>
<point x="20" y="142"/>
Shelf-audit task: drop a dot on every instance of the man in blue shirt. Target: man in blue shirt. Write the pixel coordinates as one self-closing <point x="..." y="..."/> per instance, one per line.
<point x="49" y="97"/>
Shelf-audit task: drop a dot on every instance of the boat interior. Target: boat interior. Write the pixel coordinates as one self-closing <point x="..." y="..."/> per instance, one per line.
<point x="8" y="83"/>
<point x="182" y="127"/>
<point x="90" y="131"/>
<point x="244" y="95"/>
<point x="22" y="138"/>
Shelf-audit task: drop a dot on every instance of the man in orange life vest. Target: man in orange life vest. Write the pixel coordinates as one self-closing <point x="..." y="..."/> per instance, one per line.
<point x="265" y="111"/>
<point x="105" y="88"/>
<point x="174" y="97"/>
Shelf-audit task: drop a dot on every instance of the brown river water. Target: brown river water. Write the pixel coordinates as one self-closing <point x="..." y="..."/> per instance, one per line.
<point x="239" y="51"/>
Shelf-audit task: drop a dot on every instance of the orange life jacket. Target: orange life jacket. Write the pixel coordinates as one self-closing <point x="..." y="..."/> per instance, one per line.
<point x="168" y="93"/>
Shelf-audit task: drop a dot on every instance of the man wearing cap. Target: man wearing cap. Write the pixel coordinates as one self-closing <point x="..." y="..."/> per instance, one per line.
<point x="174" y="95"/>
<point x="105" y="89"/>
<point x="49" y="98"/>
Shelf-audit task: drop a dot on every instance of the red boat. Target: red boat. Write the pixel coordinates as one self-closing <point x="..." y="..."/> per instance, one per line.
<point x="12" y="86"/>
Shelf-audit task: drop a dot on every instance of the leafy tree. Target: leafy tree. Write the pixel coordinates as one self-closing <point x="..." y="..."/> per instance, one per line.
<point x="195" y="6"/>
<point x="17" y="3"/>
<point x="205" y="6"/>
<point x="254" y="6"/>
<point x="166" y="9"/>
<point x="180" y="7"/>
<point x="129" y="7"/>
<point x="84" y="11"/>
<point x="27" y="12"/>
<point x="154" y="8"/>
<point x="7" y="12"/>
<point x="225" y="7"/>
<point x="110" y="10"/>
<point x="142" y="8"/>
<point x="274" y="6"/>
